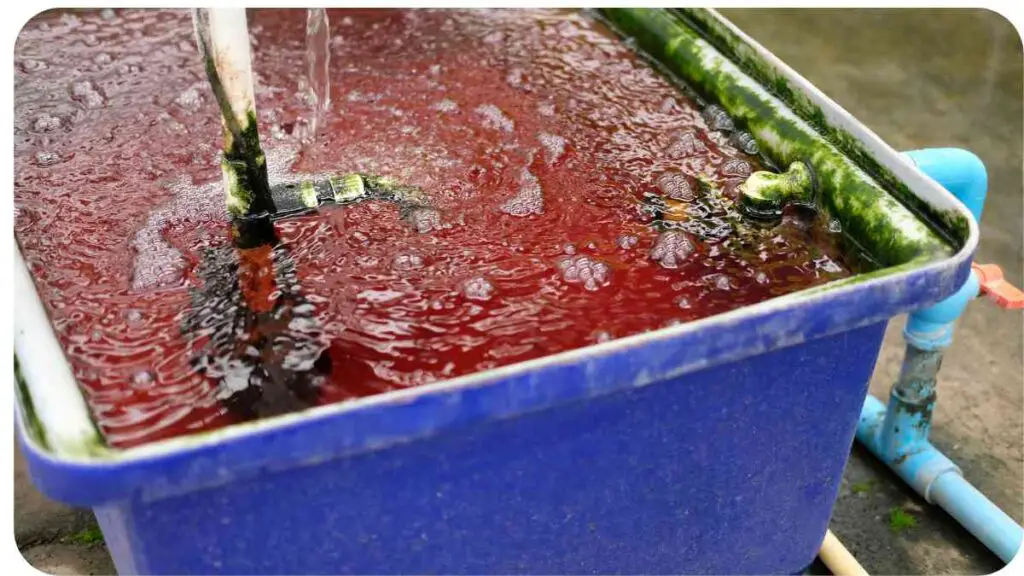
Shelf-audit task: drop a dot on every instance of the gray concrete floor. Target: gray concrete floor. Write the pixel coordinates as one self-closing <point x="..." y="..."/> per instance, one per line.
<point x="919" y="78"/>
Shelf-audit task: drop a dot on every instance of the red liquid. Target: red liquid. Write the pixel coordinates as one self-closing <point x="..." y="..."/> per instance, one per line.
<point x="117" y="189"/>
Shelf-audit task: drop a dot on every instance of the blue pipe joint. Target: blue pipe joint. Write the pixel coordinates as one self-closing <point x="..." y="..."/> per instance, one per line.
<point x="964" y="175"/>
<point x="931" y="328"/>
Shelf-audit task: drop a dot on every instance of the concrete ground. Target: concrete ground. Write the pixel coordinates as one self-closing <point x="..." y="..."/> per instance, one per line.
<point x="919" y="78"/>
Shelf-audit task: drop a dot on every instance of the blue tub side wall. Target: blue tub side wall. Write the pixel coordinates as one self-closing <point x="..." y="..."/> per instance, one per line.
<point x="730" y="469"/>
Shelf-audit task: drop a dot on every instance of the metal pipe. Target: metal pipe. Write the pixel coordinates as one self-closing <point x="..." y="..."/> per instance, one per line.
<point x="897" y="433"/>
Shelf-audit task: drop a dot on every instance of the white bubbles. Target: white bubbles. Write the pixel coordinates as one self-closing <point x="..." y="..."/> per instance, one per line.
<point x="88" y="95"/>
<point x="102" y="59"/>
<point x="424" y="219"/>
<point x="827" y="265"/>
<point x="404" y="262"/>
<point x="601" y="336"/>
<point x="143" y="380"/>
<point x="590" y="272"/>
<point x="446" y="105"/>
<point x="736" y="168"/>
<point x="528" y="200"/>
<point x="554" y="147"/>
<point x="478" y="288"/>
<point x="190" y="100"/>
<point x="28" y="65"/>
<point x="717" y="119"/>
<point x="762" y="278"/>
<point x="546" y="109"/>
<point x="157" y="263"/>
<point x="676" y="186"/>
<point x="108" y="14"/>
<point x="718" y="281"/>
<point x="133" y="316"/>
<point x="686" y="145"/>
<point x="684" y="303"/>
<point x="494" y="118"/>
<point x="46" y="123"/>
<point x="516" y="78"/>
<point x="45" y="159"/>
<point x="672" y="248"/>
<point x="746" y="142"/>
<point x="834" y="226"/>
<point x="627" y="241"/>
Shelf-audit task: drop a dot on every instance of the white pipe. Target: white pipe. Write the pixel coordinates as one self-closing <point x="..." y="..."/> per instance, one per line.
<point x="838" y="559"/>
<point x="230" y="51"/>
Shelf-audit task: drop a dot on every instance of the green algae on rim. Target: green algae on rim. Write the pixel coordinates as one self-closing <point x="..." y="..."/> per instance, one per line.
<point x="950" y="222"/>
<point x="872" y="220"/>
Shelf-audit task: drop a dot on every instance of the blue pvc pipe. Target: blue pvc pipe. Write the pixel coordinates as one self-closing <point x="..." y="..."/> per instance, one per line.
<point x="964" y="175"/>
<point x="939" y="481"/>
<point x="898" y="433"/>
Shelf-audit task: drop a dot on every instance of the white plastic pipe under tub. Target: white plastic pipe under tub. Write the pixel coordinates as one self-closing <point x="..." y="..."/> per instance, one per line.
<point x="838" y="559"/>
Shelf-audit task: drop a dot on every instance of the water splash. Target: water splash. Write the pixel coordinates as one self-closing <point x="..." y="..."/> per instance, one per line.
<point x="316" y="85"/>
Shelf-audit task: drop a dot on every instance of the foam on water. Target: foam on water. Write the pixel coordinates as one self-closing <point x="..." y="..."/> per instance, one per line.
<point x="591" y="273"/>
<point x="494" y="118"/>
<point x="672" y="249"/>
<point x="528" y="200"/>
<point x="554" y="147"/>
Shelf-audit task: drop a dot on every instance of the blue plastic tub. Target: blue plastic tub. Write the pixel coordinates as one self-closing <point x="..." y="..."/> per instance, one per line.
<point x="710" y="447"/>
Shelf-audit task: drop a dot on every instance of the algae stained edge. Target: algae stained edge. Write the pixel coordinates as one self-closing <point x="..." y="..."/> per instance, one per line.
<point x="721" y="34"/>
<point x="871" y="219"/>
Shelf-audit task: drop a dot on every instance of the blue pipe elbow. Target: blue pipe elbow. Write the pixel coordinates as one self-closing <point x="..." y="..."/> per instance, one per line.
<point x="957" y="170"/>
<point x="964" y="175"/>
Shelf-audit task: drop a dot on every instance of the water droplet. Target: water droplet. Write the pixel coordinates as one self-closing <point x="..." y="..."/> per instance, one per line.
<point x="602" y="336"/>
<point x="46" y="123"/>
<point x="762" y="278"/>
<point x="478" y="289"/>
<point x="133" y="316"/>
<point x="672" y="248"/>
<point x="676" y="186"/>
<point x="834" y="226"/>
<point x="102" y="59"/>
<point x="685" y="303"/>
<point x="627" y="241"/>
<point x="143" y="380"/>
